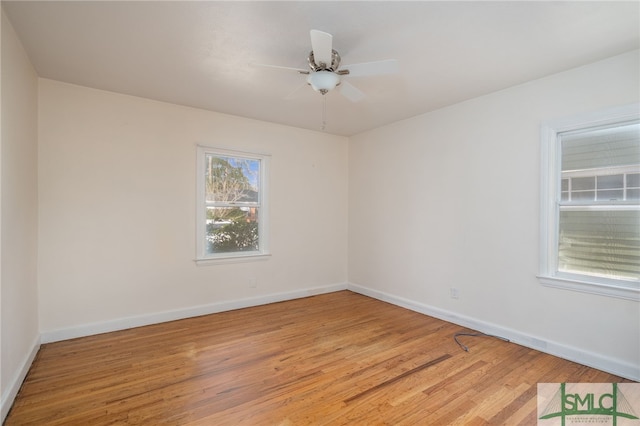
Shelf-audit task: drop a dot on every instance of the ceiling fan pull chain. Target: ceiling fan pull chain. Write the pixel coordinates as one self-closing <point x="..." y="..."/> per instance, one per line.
<point x="324" y="113"/>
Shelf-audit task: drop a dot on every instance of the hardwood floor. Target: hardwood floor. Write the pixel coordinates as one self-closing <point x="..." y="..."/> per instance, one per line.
<point x="332" y="359"/>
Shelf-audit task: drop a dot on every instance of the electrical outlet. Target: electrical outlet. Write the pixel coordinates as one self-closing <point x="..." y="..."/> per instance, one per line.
<point x="454" y="292"/>
<point x="253" y="282"/>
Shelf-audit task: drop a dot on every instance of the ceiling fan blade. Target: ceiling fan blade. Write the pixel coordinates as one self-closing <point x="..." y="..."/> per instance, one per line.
<point x="388" y="66"/>
<point x="350" y="92"/>
<point x="299" y="70"/>
<point x="322" y="46"/>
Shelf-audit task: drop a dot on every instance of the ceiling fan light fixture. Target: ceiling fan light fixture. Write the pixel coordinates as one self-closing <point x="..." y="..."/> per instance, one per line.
<point x="323" y="81"/>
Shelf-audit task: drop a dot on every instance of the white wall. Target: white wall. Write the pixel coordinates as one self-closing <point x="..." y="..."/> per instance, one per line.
<point x="451" y="199"/>
<point x="18" y="217"/>
<point x="117" y="213"/>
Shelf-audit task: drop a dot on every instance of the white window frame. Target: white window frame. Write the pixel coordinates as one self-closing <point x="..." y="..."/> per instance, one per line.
<point x="550" y="205"/>
<point x="204" y="258"/>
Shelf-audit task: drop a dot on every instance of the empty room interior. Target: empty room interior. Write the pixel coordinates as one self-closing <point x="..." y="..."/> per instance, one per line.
<point x="286" y="213"/>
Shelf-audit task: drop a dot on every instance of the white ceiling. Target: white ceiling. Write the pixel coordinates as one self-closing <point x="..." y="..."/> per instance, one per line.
<point x="200" y="53"/>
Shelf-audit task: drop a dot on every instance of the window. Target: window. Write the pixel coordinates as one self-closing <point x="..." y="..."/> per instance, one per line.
<point x="232" y="205"/>
<point x="590" y="233"/>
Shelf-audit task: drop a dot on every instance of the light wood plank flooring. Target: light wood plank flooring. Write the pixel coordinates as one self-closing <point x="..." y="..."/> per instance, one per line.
<point x="332" y="359"/>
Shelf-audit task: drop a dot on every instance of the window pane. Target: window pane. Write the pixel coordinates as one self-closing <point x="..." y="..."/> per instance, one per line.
<point x="583" y="183"/>
<point x="600" y="243"/>
<point x="232" y="229"/>
<point x="633" y="194"/>
<point x="611" y="182"/>
<point x="231" y="180"/>
<point x="565" y="185"/>
<point x="610" y="195"/>
<point x="633" y="180"/>
<point x="583" y="195"/>
<point x="597" y="148"/>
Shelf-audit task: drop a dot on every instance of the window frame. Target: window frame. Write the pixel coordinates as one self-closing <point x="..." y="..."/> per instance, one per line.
<point x="263" y="253"/>
<point x="550" y="201"/>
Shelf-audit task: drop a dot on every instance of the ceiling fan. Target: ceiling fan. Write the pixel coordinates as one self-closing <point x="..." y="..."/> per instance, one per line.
<point x="324" y="73"/>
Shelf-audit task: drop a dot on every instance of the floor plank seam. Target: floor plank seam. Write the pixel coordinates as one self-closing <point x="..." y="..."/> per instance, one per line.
<point x="397" y="378"/>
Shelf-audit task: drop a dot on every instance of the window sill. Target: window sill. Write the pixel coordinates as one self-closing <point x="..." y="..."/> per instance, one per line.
<point x="235" y="258"/>
<point x="602" y="289"/>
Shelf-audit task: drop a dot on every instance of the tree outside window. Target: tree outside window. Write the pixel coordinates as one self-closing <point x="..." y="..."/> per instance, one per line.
<point x="233" y="203"/>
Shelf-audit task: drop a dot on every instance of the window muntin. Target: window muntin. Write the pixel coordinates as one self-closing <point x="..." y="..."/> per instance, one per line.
<point x="232" y="204"/>
<point x="590" y="217"/>
<point x="603" y="185"/>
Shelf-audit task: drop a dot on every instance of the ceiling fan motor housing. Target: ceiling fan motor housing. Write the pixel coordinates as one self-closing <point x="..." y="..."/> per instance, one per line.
<point x="333" y="66"/>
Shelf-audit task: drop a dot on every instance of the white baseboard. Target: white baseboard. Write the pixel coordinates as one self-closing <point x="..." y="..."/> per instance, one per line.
<point x="159" y="317"/>
<point x="16" y="381"/>
<point x="590" y="359"/>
